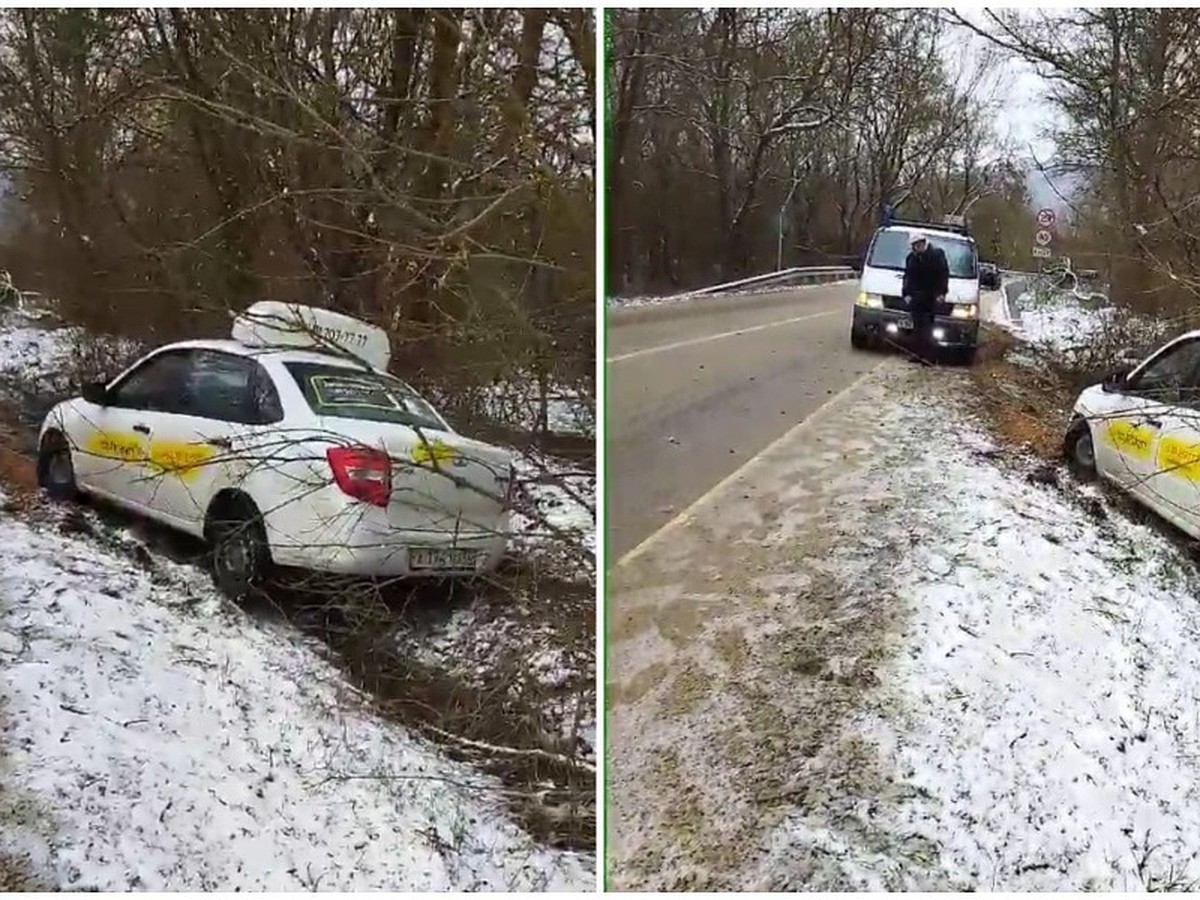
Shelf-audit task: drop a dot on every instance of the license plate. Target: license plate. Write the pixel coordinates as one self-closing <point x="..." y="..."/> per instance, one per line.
<point x="906" y="323"/>
<point x="438" y="558"/>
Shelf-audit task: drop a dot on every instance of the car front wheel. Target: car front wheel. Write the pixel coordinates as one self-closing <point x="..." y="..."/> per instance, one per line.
<point x="1079" y="451"/>
<point x="239" y="554"/>
<point x="55" y="468"/>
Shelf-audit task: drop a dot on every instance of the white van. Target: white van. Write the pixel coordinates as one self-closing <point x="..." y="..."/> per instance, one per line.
<point x="880" y="312"/>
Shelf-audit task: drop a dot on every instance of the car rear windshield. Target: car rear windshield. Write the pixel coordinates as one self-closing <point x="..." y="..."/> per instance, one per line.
<point x="890" y="250"/>
<point x="350" y="394"/>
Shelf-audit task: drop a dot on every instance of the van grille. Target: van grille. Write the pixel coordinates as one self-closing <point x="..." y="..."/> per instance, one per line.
<point x="898" y="304"/>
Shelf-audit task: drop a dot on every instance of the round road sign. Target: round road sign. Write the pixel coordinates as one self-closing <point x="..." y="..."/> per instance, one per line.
<point x="1045" y="217"/>
<point x="1043" y="238"/>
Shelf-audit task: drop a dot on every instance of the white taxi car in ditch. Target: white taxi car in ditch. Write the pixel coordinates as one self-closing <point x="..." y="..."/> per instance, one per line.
<point x="288" y="445"/>
<point x="1141" y="431"/>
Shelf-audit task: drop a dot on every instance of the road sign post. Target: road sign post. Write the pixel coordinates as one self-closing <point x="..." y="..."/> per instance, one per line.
<point x="1045" y="218"/>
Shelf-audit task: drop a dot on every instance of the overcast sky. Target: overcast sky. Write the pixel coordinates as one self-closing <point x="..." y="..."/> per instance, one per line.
<point x="1022" y="115"/>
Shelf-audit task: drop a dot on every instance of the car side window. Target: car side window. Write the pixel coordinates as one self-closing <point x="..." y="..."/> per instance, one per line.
<point x="231" y="388"/>
<point x="158" y="385"/>
<point x="265" y="397"/>
<point x="1173" y="377"/>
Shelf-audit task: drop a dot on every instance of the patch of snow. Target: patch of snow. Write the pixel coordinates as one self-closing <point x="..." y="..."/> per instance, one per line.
<point x="474" y="647"/>
<point x="562" y="504"/>
<point x="157" y="740"/>
<point x="517" y="403"/>
<point x="1061" y="323"/>
<point x="46" y="356"/>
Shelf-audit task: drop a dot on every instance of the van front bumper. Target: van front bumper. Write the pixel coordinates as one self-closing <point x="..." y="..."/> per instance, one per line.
<point x="872" y="323"/>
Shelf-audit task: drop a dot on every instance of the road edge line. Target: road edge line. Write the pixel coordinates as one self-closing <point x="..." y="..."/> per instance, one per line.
<point x="690" y="342"/>
<point x="696" y="505"/>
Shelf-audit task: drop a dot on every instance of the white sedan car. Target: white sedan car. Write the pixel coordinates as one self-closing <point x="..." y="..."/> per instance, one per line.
<point x="286" y="445"/>
<point x="1141" y="431"/>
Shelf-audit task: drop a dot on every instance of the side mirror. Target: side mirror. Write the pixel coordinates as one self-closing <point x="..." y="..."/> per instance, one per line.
<point x="96" y="392"/>
<point x="1114" y="380"/>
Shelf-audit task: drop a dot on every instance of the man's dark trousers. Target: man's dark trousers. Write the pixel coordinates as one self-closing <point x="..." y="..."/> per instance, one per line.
<point x="922" y="310"/>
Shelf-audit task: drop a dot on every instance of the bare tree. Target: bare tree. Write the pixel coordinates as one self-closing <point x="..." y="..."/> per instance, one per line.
<point x="727" y="126"/>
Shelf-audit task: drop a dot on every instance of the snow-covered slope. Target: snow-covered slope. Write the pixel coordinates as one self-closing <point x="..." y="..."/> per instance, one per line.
<point x="155" y="739"/>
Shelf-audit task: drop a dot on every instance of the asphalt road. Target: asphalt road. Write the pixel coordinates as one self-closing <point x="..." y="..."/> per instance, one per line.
<point x="695" y="391"/>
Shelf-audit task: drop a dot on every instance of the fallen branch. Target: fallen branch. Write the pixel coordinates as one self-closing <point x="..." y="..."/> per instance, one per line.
<point x="498" y="750"/>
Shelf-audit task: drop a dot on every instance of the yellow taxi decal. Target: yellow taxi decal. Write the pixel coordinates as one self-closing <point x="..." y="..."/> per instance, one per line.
<point x="1130" y="439"/>
<point x="113" y="445"/>
<point x="168" y="457"/>
<point x="1177" y="457"/>
<point x="433" y="452"/>
<point x="180" y="459"/>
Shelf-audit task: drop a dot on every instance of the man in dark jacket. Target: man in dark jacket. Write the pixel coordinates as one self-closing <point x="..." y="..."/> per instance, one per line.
<point x="926" y="283"/>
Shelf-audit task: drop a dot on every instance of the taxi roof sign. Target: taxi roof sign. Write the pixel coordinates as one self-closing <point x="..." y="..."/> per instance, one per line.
<point x="270" y="323"/>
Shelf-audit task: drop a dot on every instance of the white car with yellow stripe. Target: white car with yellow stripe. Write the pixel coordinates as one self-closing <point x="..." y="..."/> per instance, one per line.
<point x="287" y="445"/>
<point x="1141" y="431"/>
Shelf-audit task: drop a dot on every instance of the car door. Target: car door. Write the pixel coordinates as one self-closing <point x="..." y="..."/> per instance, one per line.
<point x="213" y="443"/>
<point x="112" y="441"/>
<point x="1174" y="489"/>
<point x="1132" y="425"/>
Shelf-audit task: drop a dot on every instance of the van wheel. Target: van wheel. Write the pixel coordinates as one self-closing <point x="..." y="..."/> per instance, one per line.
<point x="967" y="356"/>
<point x="55" y="469"/>
<point x="858" y="339"/>
<point x="239" y="556"/>
<point x="1079" y="451"/>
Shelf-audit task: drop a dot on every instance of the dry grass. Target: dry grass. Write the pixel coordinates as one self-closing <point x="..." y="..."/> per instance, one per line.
<point x="18" y="472"/>
<point x="17" y="876"/>
<point x="1027" y="406"/>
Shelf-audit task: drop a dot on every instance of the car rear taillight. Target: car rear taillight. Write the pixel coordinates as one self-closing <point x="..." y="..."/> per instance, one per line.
<point x="362" y="473"/>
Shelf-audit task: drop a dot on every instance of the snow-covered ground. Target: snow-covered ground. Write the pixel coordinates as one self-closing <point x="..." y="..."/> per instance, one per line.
<point x="1059" y="322"/>
<point x="45" y="355"/>
<point x="563" y="499"/>
<point x="517" y="403"/>
<point x="156" y="740"/>
<point x="1045" y="734"/>
<point x="893" y="656"/>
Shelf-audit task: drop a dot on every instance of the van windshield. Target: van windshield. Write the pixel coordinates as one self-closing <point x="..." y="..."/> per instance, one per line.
<point x="352" y="394"/>
<point x="890" y="249"/>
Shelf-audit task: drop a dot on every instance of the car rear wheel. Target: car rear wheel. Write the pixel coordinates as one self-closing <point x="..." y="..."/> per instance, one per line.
<point x="1079" y="451"/>
<point x="239" y="554"/>
<point x="55" y="469"/>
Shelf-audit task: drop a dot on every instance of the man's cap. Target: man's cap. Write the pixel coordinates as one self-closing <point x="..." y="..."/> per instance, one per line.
<point x="916" y="237"/>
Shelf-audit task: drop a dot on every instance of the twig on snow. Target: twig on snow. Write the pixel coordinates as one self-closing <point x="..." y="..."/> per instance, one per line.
<point x="500" y="750"/>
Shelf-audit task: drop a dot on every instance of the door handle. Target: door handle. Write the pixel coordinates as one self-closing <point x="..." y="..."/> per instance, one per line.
<point x="142" y="429"/>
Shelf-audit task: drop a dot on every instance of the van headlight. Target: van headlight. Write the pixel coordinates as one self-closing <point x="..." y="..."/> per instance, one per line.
<point x="964" y="311"/>
<point x="873" y="301"/>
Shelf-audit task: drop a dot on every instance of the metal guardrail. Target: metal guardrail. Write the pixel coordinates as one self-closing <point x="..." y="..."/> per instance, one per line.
<point x="798" y="274"/>
<point x="745" y="293"/>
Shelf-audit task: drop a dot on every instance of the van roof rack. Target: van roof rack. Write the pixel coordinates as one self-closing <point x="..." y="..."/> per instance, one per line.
<point x="956" y="224"/>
